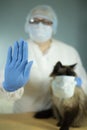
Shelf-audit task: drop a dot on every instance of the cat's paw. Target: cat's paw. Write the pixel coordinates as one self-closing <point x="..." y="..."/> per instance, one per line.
<point x="44" y="114"/>
<point x="64" y="128"/>
<point x="39" y="115"/>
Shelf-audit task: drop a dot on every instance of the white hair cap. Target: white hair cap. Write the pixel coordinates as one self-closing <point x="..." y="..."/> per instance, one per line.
<point x="44" y="11"/>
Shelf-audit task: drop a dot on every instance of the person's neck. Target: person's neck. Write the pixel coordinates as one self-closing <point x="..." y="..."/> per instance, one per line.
<point x="44" y="46"/>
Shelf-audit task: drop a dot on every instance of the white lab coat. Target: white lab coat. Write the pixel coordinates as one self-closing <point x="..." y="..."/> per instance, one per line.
<point x="36" y="96"/>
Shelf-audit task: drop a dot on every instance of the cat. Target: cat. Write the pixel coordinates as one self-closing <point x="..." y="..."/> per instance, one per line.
<point x="71" y="111"/>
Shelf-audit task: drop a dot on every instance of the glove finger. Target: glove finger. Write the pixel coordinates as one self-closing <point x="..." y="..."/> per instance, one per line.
<point x="9" y="56"/>
<point x="25" y="51"/>
<point x="27" y="69"/>
<point x="15" y="53"/>
<point x="20" y="54"/>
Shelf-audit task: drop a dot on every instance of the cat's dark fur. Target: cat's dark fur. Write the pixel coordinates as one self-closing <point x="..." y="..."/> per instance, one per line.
<point x="71" y="111"/>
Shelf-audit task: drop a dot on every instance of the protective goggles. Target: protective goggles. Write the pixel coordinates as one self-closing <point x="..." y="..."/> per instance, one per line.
<point x="38" y="20"/>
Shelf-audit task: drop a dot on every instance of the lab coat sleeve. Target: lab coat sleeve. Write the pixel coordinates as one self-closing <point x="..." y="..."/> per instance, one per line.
<point x="9" y="95"/>
<point x="81" y="72"/>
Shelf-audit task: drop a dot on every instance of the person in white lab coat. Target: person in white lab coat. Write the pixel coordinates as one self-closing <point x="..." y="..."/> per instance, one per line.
<point x="44" y="51"/>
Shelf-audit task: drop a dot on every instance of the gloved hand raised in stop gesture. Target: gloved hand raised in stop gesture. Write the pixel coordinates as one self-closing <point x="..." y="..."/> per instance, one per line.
<point x="17" y="69"/>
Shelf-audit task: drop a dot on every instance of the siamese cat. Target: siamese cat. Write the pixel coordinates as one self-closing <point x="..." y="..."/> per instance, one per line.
<point x="68" y="111"/>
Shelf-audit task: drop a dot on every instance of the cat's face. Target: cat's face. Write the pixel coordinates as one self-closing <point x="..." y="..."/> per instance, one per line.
<point x="60" y="69"/>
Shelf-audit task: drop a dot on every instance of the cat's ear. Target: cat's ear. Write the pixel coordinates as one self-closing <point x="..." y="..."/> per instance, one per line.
<point x="58" y="64"/>
<point x="73" y="66"/>
<point x="56" y="69"/>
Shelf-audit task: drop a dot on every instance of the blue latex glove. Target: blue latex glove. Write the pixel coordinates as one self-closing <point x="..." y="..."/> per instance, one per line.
<point x="79" y="81"/>
<point x="17" y="69"/>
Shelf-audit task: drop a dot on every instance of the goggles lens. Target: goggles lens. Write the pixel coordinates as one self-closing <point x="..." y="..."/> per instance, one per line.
<point x="38" y="20"/>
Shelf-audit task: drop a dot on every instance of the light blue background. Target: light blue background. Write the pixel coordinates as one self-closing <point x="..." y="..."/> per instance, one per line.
<point x="72" y="29"/>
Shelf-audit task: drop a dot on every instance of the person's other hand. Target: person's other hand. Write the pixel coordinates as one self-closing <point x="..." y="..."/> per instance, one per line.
<point x="17" y="69"/>
<point x="78" y="81"/>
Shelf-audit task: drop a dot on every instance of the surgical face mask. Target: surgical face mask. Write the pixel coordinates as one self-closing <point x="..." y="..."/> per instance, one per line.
<point x="40" y="33"/>
<point x="63" y="86"/>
